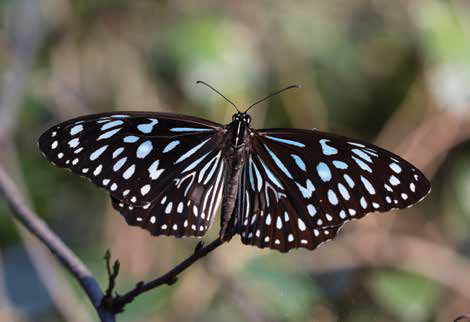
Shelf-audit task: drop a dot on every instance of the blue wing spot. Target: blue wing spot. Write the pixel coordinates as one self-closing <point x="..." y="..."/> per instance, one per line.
<point x="324" y="171"/>
<point x="340" y="165"/>
<point x="327" y="150"/>
<point x="300" y="163"/>
<point x="286" y="141"/>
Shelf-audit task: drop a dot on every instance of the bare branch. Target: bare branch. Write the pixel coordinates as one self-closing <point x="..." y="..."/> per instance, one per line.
<point x="116" y="305"/>
<point x="66" y="257"/>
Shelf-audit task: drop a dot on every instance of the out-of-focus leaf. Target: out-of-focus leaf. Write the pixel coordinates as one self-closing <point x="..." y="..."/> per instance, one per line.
<point x="280" y="292"/>
<point x="408" y="296"/>
<point x="447" y="49"/>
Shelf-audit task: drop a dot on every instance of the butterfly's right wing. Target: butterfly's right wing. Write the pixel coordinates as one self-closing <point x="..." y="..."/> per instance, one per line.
<point x="164" y="172"/>
<point x="299" y="186"/>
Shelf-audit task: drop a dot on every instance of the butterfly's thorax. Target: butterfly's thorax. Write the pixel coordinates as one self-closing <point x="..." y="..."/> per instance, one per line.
<point x="235" y="157"/>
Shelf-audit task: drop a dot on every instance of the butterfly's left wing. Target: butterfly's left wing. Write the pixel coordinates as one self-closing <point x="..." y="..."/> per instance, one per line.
<point x="299" y="186"/>
<point x="164" y="172"/>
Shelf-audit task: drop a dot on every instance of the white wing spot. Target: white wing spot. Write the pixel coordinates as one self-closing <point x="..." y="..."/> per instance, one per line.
<point x="109" y="134"/>
<point x="54" y="145"/>
<point x="332" y="198"/>
<point x="268" y="219"/>
<point x="168" y="208"/>
<point x="180" y="207"/>
<point x="117" y="152"/>
<point x="301" y="224"/>
<point x="74" y="143"/>
<point x="362" y="164"/>
<point x="394" y="181"/>
<point x="307" y="190"/>
<point x="324" y="171"/>
<point x="144" y="149"/>
<point x="300" y="163"/>
<point x="170" y="146"/>
<point x="98" y="170"/>
<point x="412" y="187"/>
<point x="327" y="150"/>
<point x="340" y="165"/>
<point x="95" y="155"/>
<point x="368" y="185"/>
<point x="148" y="127"/>
<point x="131" y="139"/>
<point x="118" y="165"/>
<point x="114" y="187"/>
<point x="145" y="189"/>
<point x="395" y="167"/>
<point x="129" y="172"/>
<point x="109" y="125"/>
<point x="363" y="203"/>
<point x="278" y="223"/>
<point x="343" y="191"/>
<point x="363" y="155"/>
<point x="349" y="181"/>
<point x="290" y="238"/>
<point x="154" y="173"/>
<point x="76" y="129"/>
<point x="311" y="210"/>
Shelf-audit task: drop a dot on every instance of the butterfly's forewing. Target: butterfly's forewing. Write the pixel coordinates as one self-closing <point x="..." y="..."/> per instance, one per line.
<point x="300" y="186"/>
<point x="162" y="170"/>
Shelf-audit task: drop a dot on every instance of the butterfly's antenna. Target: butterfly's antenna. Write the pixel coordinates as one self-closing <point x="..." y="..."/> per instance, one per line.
<point x="270" y="95"/>
<point x="212" y="88"/>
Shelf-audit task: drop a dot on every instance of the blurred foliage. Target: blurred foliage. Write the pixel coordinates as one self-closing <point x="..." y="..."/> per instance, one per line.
<point x="392" y="72"/>
<point x="408" y="296"/>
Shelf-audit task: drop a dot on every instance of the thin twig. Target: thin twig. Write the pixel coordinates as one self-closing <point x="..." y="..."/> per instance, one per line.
<point x="112" y="276"/>
<point x="169" y="278"/>
<point x="66" y="257"/>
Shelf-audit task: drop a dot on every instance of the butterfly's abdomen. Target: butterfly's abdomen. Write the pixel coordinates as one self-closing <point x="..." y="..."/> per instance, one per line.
<point x="235" y="158"/>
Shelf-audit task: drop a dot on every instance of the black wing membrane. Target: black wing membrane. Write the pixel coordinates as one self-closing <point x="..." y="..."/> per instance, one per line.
<point x="299" y="186"/>
<point x="164" y="172"/>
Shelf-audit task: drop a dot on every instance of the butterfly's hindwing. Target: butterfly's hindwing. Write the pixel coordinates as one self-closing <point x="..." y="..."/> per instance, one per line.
<point x="160" y="169"/>
<point x="300" y="186"/>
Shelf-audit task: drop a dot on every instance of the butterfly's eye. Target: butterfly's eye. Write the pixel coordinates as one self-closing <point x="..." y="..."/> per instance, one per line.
<point x="234" y="118"/>
<point x="247" y="119"/>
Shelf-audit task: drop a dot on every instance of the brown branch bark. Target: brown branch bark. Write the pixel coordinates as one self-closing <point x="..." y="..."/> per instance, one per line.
<point x="57" y="247"/>
<point x="116" y="304"/>
<point x="106" y="306"/>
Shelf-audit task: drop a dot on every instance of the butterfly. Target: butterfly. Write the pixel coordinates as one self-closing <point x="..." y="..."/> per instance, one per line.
<point x="279" y="188"/>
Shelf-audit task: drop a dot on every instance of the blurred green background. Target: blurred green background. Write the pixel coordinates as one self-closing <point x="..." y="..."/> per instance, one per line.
<point x="396" y="73"/>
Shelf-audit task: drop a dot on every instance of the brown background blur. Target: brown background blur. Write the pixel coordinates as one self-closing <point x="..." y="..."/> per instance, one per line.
<point x="395" y="73"/>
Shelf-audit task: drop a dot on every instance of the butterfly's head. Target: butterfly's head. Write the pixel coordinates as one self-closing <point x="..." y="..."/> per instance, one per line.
<point x="243" y="117"/>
